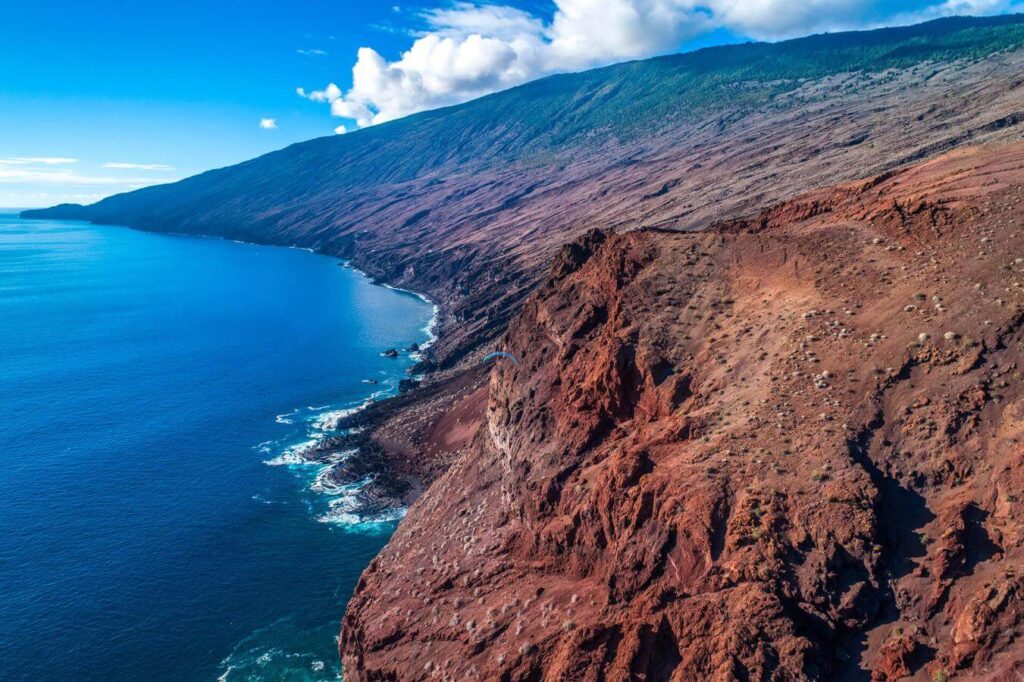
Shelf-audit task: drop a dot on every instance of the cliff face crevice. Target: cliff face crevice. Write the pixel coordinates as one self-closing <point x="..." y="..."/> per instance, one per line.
<point x="780" y="448"/>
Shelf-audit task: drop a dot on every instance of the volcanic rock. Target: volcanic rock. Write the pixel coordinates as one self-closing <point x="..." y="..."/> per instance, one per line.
<point x="653" y="493"/>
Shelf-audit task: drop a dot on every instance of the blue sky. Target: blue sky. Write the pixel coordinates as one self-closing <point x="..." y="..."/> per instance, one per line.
<point x="103" y="96"/>
<point x="181" y="83"/>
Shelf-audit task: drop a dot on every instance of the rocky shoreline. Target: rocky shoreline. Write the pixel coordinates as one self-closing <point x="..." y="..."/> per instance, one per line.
<point x="392" y="441"/>
<point x="385" y="450"/>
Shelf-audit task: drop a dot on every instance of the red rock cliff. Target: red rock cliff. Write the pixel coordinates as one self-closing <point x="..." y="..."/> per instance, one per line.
<point x="781" y="448"/>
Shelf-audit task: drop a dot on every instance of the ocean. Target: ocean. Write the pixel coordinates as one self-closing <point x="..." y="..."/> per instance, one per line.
<point x="154" y="521"/>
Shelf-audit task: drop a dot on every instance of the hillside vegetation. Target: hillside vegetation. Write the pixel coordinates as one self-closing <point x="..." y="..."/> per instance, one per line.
<point x="563" y="113"/>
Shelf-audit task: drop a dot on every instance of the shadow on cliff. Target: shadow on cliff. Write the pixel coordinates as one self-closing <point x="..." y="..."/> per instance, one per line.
<point x="902" y="513"/>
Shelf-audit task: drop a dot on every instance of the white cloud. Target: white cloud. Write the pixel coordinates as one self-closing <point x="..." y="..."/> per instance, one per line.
<point x="65" y="176"/>
<point x="772" y="19"/>
<point x="55" y="170"/>
<point x="36" y="160"/>
<point x="328" y="94"/>
<point x="32" y="199"/>
<point x="470" y="50"/>
<point x="340" y="130"/>
<point x="138" y="166"/>
<point x="268" y="123"/>
<point x="313" y="53"/>
<point x="47" y="180"/>
<point x="962" y="7"/>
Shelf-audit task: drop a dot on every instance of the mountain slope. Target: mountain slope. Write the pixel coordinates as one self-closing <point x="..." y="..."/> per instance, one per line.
<point x="477" y="197"/>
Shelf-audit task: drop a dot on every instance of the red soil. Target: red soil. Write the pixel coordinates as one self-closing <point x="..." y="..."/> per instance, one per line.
<point x="779" y="448"/>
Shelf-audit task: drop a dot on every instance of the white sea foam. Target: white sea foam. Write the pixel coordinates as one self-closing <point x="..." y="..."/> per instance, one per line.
<point x="324" y="485"/>
<point x="298" y="455"/>
<point x="431" y="328"/>
<point x="345" y="508"/>
<point x="345" y="505"/>
<point x="339" y="457"/>
<point x="294" y="454"/>
<point x="278" y="652"/>
<point x="287" y="417"/>
<point x="370" y="523"/>
<point x="328" y="421"/>
<point x="286" y="459"/>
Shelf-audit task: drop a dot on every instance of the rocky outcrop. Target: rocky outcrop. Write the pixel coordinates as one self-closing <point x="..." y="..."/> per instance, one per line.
<point x="787" y="447"/>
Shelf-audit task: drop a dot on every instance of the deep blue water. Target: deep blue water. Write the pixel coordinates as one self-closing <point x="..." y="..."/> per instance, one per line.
<point x="145" y="381"/>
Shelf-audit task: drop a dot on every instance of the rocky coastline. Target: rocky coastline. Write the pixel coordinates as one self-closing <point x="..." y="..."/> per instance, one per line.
<point x="766" y="422"/>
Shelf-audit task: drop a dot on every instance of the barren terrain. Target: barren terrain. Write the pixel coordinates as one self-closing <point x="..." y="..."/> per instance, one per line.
<point x="781" y="448"/>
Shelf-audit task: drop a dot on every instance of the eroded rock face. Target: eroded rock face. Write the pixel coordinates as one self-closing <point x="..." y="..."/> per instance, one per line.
<point x="779" y="448"/>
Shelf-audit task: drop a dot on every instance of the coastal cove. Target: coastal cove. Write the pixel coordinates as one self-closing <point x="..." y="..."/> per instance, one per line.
<point x="158" y="391"/>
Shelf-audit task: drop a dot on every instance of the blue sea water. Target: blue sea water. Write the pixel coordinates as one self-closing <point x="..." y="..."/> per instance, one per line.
<point x="145" y="382"/>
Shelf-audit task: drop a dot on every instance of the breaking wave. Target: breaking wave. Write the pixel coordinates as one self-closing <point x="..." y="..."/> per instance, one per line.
<point x="348" y="510"/>
<point x="345" y="503"/>
<point x="287" y="417"/>
<point x="260" y="656"/>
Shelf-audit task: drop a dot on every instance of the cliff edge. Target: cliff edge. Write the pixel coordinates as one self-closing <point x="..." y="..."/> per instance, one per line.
<point x="780" y="448"/>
